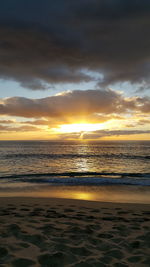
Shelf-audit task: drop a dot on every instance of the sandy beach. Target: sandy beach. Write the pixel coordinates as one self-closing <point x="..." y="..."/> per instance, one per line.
<point x="61" y="232"/>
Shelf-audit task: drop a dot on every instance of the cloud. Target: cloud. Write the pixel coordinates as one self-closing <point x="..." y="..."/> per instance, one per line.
<point x="143" y="122"/>
<point x="18" y="129"/>
<point x="44" y="43"/>
<point x="105" y="133"/>
<point x="36" y="122"/>
<point x="3" y="128"/>
<point x="6" y="121"/>
<point x="73" y="104"/>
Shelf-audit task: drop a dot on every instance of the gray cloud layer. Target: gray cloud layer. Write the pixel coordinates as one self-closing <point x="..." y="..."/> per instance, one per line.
<point x="104" y="133"/>
<point x="50" y="42"/>
<point x="74" y="103"/>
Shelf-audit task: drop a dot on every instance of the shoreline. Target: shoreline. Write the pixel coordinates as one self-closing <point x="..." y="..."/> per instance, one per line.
<point x="113" y="193"/>
<point x="69" y="201"/>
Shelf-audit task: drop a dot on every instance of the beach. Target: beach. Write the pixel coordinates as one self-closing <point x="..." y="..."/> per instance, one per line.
<point x="68" y="232"/>
<point x="74" y="133"/>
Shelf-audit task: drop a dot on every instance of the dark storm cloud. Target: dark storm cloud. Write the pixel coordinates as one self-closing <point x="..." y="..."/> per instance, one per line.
<point x="53" y="42"/>
<point x="74" y="103"/>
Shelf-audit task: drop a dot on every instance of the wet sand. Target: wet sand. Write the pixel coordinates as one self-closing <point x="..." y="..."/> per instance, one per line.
<point x="61" y="232"/>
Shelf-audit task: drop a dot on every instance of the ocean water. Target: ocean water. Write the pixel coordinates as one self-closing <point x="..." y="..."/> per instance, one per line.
<point x="98" y="171"/>
<point x="92" y="163"/>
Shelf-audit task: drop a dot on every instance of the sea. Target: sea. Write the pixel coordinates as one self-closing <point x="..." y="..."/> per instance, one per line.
<point x="104" y="170"/>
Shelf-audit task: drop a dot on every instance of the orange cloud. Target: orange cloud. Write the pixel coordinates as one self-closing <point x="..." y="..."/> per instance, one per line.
<point x="18" y="129"/>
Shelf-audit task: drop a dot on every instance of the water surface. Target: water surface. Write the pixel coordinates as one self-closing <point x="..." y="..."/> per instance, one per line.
<point x="76" y="170"/>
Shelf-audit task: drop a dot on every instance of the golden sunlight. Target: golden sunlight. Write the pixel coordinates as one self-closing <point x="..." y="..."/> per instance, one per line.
<point x="80" y="127"/>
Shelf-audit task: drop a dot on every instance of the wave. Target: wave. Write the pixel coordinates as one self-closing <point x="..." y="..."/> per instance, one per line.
<point x="84" y="178"/>
<point x="93" y="181"/>
<point x="68" y="156"/>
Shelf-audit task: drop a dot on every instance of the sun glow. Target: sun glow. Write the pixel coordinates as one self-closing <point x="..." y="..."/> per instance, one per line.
<point x="80" y="127"/>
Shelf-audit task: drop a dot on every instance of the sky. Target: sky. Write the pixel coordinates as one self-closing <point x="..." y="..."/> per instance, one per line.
<point x="75" y="70"/>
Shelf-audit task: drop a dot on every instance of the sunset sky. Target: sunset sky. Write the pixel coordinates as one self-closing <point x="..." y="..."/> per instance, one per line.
<point x="75" y="70"/>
